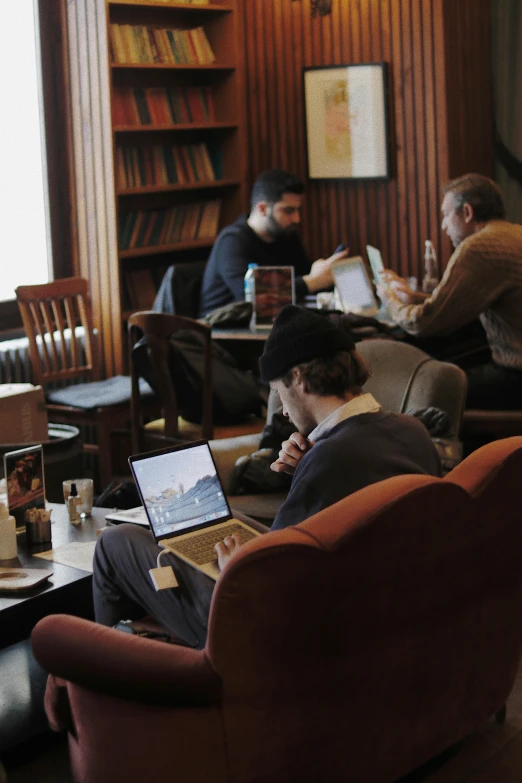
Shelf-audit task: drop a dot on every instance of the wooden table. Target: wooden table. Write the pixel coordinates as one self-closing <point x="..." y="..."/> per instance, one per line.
<point x="240" y="334"/>
<point x="243" y="345"/>
<point x="68" y="591"/>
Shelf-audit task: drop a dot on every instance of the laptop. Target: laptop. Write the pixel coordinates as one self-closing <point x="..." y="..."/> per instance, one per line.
<point x="376" y="263"/>
<point x="354" y="289"/>
<point x="185" y="503"/>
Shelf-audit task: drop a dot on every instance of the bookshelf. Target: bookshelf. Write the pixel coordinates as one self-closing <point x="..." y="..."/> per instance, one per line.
<point x="177" y="109"/>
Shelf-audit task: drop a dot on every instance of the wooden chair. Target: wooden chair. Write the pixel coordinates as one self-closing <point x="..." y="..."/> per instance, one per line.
<point x="57" y="318"/>
<point x="172" y="428"/>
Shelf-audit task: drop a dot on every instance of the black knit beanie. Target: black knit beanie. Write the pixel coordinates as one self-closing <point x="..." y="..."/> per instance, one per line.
<point x="299" y="335"/>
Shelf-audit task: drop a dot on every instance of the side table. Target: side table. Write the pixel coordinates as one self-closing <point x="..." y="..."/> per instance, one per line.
<point x="68" y="591"/>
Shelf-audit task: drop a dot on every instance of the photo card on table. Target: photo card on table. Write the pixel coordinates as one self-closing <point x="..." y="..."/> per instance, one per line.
<point x="273" y="289"/>
<point x="24" y="475"/>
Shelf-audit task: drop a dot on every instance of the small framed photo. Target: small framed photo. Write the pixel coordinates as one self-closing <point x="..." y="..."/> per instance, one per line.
<point x="346" y="121"/>
<point x="24" y="474"/>
<point x="274" y="288"/>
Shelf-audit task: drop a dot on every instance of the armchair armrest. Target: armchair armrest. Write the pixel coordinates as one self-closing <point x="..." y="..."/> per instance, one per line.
<point x="226" y="451"/>
<point x="129" y="667"/>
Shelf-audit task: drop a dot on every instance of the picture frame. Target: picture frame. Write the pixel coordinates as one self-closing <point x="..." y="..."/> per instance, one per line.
<point x="274" y="287"/>
<point x="24" y="475"/>
<point x="346" y="121"/>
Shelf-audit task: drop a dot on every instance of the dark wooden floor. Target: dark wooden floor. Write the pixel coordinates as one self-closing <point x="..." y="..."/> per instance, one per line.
<point x="492" y="754"/>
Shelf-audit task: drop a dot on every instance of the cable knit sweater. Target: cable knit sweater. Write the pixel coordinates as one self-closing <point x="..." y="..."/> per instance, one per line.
<point x="483" y="278"/>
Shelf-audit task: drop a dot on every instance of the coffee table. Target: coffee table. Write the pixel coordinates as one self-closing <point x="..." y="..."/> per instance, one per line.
<point x="68" y="591"/>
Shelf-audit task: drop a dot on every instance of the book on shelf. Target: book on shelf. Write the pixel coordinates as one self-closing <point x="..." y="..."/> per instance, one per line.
<point x="182" y="223"/>
<point x="146" y="44"/>
<point x="144" y="106"/>
<point x="143" y="109"/>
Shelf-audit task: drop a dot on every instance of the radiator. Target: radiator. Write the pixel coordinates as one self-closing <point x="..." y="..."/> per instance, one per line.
<point x="15" y="364"/>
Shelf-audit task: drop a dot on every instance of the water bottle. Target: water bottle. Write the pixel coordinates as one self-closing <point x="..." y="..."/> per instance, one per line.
<point x="7" y="534"/>
<point x="250" y="283"/>
<point x="250" y="292"/>
<point x="430" y="280"/>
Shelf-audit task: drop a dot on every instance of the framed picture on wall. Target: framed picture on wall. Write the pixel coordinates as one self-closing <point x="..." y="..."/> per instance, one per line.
<point x="346" y="121"/>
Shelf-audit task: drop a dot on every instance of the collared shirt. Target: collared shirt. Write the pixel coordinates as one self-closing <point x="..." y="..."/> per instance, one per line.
<point x="364" y="403"/>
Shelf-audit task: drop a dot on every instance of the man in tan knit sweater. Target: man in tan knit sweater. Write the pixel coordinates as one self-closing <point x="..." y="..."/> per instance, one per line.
<point x="483" y="278"/>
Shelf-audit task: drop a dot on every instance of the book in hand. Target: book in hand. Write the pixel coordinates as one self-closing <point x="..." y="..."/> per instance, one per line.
<point x="273" y="289"/>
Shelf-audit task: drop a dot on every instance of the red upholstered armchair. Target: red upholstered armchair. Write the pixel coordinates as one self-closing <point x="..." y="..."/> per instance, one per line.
<point x="353" y="647"/>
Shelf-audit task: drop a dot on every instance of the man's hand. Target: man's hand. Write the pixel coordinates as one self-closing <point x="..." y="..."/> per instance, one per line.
<point x="320" y="275"/>
<point x="226" y="549"/>
<point x="393" y="286"/>
<point x="291" y="454"/>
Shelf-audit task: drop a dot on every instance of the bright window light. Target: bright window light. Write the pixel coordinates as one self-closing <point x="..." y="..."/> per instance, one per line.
<point x="23" y="200"/>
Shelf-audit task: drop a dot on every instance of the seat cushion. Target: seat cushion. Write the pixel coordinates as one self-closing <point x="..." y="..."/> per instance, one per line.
<point x="98" y="394"/>
<point x="261" y="507"/>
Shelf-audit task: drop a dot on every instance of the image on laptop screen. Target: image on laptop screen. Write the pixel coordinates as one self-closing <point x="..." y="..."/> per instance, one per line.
<point x="180" y="489"/>
<point x="353" y="284"/>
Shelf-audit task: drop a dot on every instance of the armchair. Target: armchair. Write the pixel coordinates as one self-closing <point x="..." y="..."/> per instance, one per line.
<point x="354" y="646"/>
<point x="403" y="378"/>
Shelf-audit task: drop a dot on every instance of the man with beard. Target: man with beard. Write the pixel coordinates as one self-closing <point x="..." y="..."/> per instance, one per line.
<point x="266" y="237"/>
<point x="483" y="278"/>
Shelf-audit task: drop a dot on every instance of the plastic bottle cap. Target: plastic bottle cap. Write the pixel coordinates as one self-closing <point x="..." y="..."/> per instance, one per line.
<point x="252" y="266"/>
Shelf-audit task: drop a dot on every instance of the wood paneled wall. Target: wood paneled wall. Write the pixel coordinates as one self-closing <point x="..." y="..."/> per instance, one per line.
<point x="439" y="112"/>
<point x="93" y="168"/>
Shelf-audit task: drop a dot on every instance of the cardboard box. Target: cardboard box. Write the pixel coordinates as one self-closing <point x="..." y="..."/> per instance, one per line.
<point x="23" y="415"/>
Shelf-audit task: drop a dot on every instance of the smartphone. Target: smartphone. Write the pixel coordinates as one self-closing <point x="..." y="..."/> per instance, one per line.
<point x="375" y="259"/>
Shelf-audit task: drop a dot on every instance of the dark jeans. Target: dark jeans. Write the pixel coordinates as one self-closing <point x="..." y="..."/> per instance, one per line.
<point x="123" y="590"/>
<point x="491" y="387"/>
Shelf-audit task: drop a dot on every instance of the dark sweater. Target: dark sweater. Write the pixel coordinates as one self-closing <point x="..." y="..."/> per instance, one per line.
<point x="359" y="451"/>
<point x="236" y="247"/>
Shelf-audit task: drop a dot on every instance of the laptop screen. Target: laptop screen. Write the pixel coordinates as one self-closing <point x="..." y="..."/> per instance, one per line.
<point x="354" y="286"/>
<point x="180" y="488"/>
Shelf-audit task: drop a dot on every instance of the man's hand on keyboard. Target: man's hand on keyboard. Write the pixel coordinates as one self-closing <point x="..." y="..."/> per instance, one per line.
<point x="227" y="548"/>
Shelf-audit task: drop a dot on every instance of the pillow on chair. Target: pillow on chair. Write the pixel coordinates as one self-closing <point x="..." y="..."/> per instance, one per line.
<point x="98" y="394"/>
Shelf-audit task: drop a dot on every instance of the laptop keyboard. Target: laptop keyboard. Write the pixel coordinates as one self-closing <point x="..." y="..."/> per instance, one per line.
<point x="200" y="548"/>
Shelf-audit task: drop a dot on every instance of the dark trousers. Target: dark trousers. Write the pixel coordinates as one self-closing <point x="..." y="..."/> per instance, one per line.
<point x="491" y="387"/>
<point x="123" y="590"/>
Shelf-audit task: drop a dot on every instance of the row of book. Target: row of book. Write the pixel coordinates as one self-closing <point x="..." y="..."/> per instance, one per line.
<point x="182" y="223"/>
<point x="138" y="43"/>
<point x="163" y="164"/>
<point x="162" y="105"/>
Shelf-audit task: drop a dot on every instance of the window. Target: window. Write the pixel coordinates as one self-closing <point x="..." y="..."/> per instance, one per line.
<point x="24" y="224"/>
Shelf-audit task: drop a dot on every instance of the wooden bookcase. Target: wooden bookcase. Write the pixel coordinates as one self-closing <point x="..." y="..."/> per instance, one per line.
<point x="162" y="177"/>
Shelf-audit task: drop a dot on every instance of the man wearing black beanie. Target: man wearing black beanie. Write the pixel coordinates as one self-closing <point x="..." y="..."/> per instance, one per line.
<point x="344" y="440"/>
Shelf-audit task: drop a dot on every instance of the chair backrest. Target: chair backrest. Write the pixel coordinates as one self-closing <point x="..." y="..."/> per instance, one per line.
<point x="180" y="289"/>
<point x="57" y="319"/>
<point x="376" y="633"/>
<point x="157" y="329"/>
<point x="404" y="378"/>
